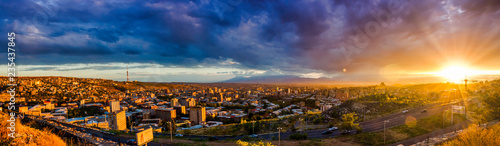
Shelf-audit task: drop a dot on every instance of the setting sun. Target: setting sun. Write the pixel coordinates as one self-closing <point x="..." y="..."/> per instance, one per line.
<point x="455" y="73"/>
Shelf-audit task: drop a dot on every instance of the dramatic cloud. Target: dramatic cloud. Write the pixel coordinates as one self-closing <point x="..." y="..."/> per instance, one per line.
<point x="320" y="38"/>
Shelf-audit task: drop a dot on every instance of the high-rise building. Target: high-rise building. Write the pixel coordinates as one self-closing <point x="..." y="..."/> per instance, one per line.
<point x="181" y="110"/>
<point x="114" y="106"/>
<point x="82" y="102"/>
<point x="220" y="97"/>
<point x="117" y="120"/>
<point x="166" y="114"/>
<point x="197" y="115"/>
<point x="189" y="102"/>
<point x="174" y="102"/>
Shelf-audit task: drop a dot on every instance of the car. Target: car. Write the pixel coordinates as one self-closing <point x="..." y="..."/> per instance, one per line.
<point x="327" y="132"/>
<point x="131" y="142"/>
<point x="424" y="110"/>
<point x="253" y="135"/>
<point x="405" y="111"/>
<point x="213" y="138"/>
<point x="333" y="129"/>
<point x="179" y="135"/>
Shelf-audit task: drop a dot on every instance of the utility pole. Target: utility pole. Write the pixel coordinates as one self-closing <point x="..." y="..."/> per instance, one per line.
<point x="170" y="131"/>
<point x="279" y="136"/>
<point x="253" y="127"/>
<point x="466" y="84"/>
<point x="443" y="118"/>
<point x="386" y="121"/>
<point x="466" y="94"/>
<point x="451" y="114"/>
<point x="202" y="131"/>
<point x="306" y="122"/>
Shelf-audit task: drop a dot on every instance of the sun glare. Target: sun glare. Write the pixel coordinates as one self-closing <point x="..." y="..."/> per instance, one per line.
<point x="455" y="73"/>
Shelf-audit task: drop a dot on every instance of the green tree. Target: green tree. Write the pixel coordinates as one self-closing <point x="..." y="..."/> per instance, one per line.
<point x="293" y="128"/>
<point x="166" y="125"/>
<point x="492" y="103"/>
<point x="348" y="122"/>
<point x="249" y="127"/>
<point x="298" y="136"/>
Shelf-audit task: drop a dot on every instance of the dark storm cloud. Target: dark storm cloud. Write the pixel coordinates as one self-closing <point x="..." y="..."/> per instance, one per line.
<point x="292" y="36"/>
<point x="479" y="5"/>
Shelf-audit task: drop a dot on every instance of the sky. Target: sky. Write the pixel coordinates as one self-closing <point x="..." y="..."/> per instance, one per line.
<point x="216" y="40"/>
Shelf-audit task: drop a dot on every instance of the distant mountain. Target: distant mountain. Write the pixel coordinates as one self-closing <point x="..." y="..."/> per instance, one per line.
<point x="267" y="79"/>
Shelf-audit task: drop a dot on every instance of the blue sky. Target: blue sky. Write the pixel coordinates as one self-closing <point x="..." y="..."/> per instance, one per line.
<point x="206" y="41"/>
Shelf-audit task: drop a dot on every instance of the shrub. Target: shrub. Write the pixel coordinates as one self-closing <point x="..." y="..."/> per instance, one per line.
<point x="331" y="124"/>
<point x="477" y="136"/>
<point x="298" y="136"/>
<point x="245" y="138"/>
<point x="293" y="128"/>
<point x="359" y="129"/>
<point x="187" y="132"/>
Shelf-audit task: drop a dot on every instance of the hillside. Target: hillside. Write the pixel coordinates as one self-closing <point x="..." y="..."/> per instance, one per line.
<point x="477" y="136"/>
<point x="27" y="136"/>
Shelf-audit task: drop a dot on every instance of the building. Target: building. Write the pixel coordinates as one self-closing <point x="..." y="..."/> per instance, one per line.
<point x="49" y="106"/>
<point x="166" y="114"/>
<point x="117" y="120"/>
<point x="23" y="109"/>
<point x="146" y="115"/>
<point x="197" y="115"/>
<point x="5" y="97"/>
<point x="82" y="102"/>
<point x="189" y="102"/>
<point x="342" y="96"/>
<point x="114" y="106"/>
<point x="181" y="110"/>
<point x="174" y="102"/>
<point x="220" y="97"/>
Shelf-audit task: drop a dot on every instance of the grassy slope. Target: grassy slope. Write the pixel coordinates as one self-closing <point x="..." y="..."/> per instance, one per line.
<point x="477" y="136"/>
<point x="25" y="133"/>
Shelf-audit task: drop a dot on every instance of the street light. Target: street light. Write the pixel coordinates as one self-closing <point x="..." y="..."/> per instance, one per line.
<point x="253" y="127"/>
<point x="279" y="136"/>
<point x="301" y="124"/>
<point x="202" y="130"/>
<point x="306" y="123"/>
<point x="386" y="121"/>
<point x="170" y="131"/>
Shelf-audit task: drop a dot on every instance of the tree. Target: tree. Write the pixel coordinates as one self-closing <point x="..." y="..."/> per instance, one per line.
<point x="298" y="136"/>
<point x="348" y="122"/>
<point x="249" y="129"/>
<point x="293" y="128"/>
<point x="493" y="104"/>
<point x="166" y="125"/>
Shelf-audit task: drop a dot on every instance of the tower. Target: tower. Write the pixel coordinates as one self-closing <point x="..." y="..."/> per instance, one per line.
<point x="127" y="74"/>
<point x="465" y="83"/>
